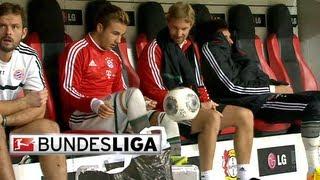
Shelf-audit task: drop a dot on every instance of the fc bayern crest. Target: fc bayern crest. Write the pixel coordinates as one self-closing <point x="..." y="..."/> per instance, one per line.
<point x="109" y="63"/>
<point x="18" y="74"/>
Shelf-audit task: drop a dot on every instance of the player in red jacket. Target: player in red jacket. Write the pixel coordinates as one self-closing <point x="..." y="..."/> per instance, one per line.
<point x="92" y="87"/>
<point x="170" y="61"/>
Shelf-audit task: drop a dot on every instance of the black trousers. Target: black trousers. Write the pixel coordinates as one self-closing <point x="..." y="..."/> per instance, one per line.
<point x="288" y="107"/>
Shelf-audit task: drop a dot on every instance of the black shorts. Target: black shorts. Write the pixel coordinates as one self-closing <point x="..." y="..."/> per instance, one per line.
<point x="185" y="130"/>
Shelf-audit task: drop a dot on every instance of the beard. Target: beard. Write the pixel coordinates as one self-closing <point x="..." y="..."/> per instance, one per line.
<point x="8" y="48"/>
<point x="179" y="40"/>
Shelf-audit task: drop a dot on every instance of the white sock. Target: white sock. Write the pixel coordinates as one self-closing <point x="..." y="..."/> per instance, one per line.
<point x="244" y="171"/>
<point x="206" y="175"/>
<point x="311" y="147"/>
<point x="136" y="109"/>
<point x="172" y="130"/>
<point x="170" y="126"/>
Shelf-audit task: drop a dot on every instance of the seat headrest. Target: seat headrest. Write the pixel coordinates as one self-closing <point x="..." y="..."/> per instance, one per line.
<point x="151" y="19"/>
<point x="91" y="11"/>
<point x="202" y="16"/>
<point x="241" y="21"/>
<point x="279" y="21"/>
<point x="45" y="18"/>
<point x="202" y="13"/>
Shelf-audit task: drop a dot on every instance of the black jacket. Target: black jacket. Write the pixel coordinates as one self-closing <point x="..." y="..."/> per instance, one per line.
<point x="232" y="78"/>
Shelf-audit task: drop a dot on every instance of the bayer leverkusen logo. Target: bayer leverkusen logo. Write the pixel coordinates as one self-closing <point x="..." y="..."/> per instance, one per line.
<point x="229" y="164"/>
<point x="23" y="144"/>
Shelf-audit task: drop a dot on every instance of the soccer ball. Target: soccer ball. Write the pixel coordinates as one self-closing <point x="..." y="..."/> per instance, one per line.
<point x="181" y="104"/>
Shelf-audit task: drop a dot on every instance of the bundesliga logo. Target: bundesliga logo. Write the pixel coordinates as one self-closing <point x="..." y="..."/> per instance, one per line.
<point x="85" y="144"/>
<point x="23" y="144"/>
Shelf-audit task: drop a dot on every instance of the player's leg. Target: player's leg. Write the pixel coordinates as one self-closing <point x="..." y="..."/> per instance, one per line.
<point x="157" y="118"/>
<point x="207" y="124"/>
<point x="242" y="119"/>
<point x="53" y="166"/>
<point x="132" y="102"/>
<point x="304" y="106"/>
<point x="129" y="107"/>
<point x="6" y="171"/>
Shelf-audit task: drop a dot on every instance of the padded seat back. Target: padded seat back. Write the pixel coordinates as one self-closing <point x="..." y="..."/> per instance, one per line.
<point x="241" y="25"/>
<point x="48" y="39"/>
<point x="130" y="76"/>
<point x="151" y="19"/>
<point x="284" y="51"/>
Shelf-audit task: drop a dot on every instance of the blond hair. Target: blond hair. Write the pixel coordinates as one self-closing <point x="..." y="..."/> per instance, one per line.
<point x="181" y="10"/>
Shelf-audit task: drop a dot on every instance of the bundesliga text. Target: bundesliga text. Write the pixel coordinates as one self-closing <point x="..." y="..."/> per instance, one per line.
<point x="85" y="144"/>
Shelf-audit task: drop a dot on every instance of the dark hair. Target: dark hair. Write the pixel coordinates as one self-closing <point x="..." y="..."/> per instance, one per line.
<point x="207" y="30"/>
<point x="111" y="13"/>
<point x="10" y="8"/>
<point x="91" y="11"/>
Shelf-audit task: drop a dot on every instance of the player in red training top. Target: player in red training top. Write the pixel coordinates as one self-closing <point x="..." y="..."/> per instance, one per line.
<point x="92" y="87"/>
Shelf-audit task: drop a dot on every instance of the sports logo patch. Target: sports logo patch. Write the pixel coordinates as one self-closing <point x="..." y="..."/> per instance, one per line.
<point x="272" y="161"/>
<point x="18" y="74"/>
<point x="230" y="164"/>
<point x="109" y="63"/>
<point x="108" y="74"/>
<point x="23" y="144"/>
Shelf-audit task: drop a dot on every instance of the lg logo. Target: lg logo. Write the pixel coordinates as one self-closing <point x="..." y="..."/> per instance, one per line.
<point x="274" y="160"/>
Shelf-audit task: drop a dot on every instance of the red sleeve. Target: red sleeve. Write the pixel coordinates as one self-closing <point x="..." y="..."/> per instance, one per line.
<point x="149" y="66"/>
<point x="71" y="70"/>
<point x="203" y="94"/>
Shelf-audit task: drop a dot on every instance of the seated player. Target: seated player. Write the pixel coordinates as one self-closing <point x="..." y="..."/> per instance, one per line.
<point x="92" y="87"/>
<point x="169" y="62"/>
<point x="233" y="78"/>
<point x="20" y="70"/>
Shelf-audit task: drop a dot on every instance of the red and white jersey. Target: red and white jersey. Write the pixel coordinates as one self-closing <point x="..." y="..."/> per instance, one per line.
<point x="86" y="72"/>
<point x="23" y="71"/>
<point x="149" y="70"/>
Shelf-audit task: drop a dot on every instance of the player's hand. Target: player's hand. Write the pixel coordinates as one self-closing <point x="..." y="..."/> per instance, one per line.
<point x="150" y="104"/>
<point x="211" y="105"/>
<point x="284" y="89"/>
<point x="36" y="98"/>
<point x="105" y="111"/>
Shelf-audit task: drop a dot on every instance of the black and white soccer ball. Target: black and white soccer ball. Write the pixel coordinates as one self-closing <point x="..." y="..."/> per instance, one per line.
<point x="181" y="104"/>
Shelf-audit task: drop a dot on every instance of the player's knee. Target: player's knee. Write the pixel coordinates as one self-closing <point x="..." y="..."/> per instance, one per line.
<point x="3" y="136"/>
<point x="48" y="126"/>
<point x="134" y="97"/>
<point x="213" y="121"/>
<point x="312" y="111"/>
<point x="244" y="117"/>
<point x="134" y="93"/>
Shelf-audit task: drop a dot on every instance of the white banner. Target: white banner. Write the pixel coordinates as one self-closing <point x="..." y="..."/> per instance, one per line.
<point x="85" y="144"/>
